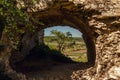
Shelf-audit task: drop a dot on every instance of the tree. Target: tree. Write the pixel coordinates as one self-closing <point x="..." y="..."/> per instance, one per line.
<point x="61" y="38"/>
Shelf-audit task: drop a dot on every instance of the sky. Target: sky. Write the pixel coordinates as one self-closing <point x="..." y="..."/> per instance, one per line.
<point x="74" y="32"/>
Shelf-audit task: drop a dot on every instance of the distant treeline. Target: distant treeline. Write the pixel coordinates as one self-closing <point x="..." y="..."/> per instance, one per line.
<point x="75" y="38"/>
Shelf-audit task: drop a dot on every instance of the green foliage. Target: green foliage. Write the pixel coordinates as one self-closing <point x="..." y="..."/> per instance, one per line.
<point x="61" y="38"/>
<point x="16" y="21"/>
<point x="78" y="56"/>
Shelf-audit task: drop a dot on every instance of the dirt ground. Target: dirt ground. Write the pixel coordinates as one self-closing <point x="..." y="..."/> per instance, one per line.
<point x="57" y="72"/>
<point x="49" y="70"/>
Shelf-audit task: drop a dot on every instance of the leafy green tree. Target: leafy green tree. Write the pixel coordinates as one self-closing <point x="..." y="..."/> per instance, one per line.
<point x="61" y="38"/>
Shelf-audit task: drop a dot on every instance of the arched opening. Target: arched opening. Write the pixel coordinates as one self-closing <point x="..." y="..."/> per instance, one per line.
<point x="70" y="41"/>
<point x="30" y="63"/>
<point x="40" y="59"/>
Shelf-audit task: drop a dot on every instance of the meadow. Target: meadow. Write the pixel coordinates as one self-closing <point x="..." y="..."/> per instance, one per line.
<point x="77" y="51"/>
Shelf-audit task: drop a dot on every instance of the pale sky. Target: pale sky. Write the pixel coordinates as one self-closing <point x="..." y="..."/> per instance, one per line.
<point x="74" y="32"/>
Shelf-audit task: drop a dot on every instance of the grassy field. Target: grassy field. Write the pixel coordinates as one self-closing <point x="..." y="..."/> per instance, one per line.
<point x="76" y="52"/>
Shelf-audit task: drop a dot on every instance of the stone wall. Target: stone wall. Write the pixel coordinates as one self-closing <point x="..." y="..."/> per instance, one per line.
<point x="107" y="65"/>
<point x="107" y="7"/>
<point x="28" y="41"/>
<point x="97" y="19"/>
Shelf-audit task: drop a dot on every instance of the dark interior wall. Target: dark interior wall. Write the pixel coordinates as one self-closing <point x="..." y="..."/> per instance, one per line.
<point x="91" y="51"/>
<point x="1" y="31"/>
<point x="1" y="25"/>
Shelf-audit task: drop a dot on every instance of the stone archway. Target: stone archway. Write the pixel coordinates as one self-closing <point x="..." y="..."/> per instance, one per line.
<point x="52" y="20"/>
<point x="30" y="43"/>
<point x="102" y="30"/>
<point x="60" y="18"/>
<point x="63" y="16"/>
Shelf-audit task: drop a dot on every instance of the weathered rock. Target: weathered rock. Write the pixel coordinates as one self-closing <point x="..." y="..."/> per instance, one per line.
<point x="98" y="20"/>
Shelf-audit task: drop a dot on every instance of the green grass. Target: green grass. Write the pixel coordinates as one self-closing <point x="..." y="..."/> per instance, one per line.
<point x="78" y="57"/>
<point x="73" y="52"/>
<point x="51" y="45"/>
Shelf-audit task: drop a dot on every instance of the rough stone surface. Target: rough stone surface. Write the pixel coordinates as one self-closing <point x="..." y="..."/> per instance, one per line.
<point x="102" y="29"/>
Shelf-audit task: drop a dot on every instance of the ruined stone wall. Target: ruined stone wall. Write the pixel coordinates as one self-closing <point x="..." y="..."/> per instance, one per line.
<point x="107" y="7"/>
<point x="102" y="28"/>
<point x="28" y="41"/>
<point x="107" y="55"/>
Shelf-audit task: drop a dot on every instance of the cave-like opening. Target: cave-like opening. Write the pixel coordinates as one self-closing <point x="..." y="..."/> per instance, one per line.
<point x="32" y="57"/>
<point x="70" y="41"/>
<point x="45" y="57"/>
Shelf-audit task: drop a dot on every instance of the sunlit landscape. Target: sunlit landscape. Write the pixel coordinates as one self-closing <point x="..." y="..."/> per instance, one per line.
<point x="74" y="49"/>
